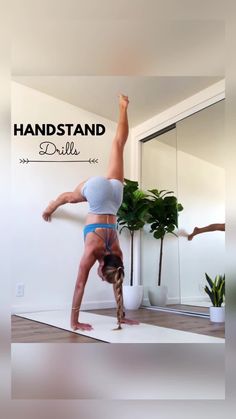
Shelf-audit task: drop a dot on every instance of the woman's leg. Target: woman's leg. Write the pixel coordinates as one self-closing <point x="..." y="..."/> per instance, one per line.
<point x="209" y="228"/>
<point x="116" y="164"/>
<point x="64" y="198"/>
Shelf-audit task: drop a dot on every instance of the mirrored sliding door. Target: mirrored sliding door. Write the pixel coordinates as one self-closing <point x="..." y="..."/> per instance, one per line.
<point x="201" y="190"/>
<point x="189" y="160"/>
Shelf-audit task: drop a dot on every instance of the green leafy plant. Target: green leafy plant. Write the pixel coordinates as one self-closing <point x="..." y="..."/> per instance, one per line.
<point x="132" y="214"/>
<point x="216" y="289"/>
<point x="163" y="217"/>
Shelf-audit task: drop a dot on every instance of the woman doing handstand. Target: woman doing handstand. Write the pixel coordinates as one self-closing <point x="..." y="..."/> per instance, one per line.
<point x="104" y="196"/>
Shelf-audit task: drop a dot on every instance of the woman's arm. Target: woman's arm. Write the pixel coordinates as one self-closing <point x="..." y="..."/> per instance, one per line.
<point x="86" y="264"/>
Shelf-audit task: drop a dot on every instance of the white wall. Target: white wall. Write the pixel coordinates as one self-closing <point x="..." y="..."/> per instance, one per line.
<point x="5" y="198"/>
<point x="45" y="256"/>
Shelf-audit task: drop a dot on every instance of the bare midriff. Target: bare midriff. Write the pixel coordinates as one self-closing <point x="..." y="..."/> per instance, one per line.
<point x="100" y="218"/>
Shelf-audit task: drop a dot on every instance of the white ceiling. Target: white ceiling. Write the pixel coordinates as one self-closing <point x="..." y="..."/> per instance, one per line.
<point x="87" y="62"/>
<point x="117" y="47"/>
<point x="146" y="10"/>
<point x="148" y="95"/>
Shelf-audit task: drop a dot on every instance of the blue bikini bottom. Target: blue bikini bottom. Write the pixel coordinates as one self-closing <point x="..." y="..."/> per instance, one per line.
<point x="90" y="228"/>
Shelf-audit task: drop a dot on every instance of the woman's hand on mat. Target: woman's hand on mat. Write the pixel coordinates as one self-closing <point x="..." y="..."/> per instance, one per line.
<point x="81" y="326"/>
<point x="129" y="321"/>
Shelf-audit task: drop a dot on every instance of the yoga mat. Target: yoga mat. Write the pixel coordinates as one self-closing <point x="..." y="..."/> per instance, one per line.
<point x="103" y="325"/>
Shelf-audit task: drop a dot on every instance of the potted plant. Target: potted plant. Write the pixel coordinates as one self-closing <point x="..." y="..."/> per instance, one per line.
<point x="163" y="219"/>
<point x="132" y="215"/>
<point x="216" y="292"/>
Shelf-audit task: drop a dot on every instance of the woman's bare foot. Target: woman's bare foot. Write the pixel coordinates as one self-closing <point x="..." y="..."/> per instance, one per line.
<point x="46" y="215"/>
<point x="123" y="101"/>
<point x="48" y="212"/>
<point x="195" y="231"/>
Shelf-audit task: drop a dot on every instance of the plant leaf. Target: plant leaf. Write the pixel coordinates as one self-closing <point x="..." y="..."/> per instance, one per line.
<point x="209" y="280"/>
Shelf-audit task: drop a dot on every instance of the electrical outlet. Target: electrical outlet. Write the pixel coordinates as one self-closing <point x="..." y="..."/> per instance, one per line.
<point x="20" y="289"/>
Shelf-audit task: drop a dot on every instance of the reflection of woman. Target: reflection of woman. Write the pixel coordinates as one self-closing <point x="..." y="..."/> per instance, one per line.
<point x="210" y="227"/>
<point x="104" y="195"/>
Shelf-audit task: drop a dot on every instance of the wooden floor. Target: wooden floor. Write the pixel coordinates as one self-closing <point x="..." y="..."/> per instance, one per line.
<point x="28" y="331"/>
<point x="197" y="309"/>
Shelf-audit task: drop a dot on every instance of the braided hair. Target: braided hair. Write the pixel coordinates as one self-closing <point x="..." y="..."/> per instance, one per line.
<point x="113" y="272"/>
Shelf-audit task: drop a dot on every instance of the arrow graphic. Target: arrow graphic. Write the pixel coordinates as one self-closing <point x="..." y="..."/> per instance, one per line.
<point x="90" y="161"/>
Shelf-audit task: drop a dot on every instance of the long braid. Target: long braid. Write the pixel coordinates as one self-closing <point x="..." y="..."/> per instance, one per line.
<point x="113" y="271"/>
<point x="119" y="275"/>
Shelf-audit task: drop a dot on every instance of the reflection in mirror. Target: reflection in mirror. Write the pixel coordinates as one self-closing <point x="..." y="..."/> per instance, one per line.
<point x="188" y="160"/>
<point x="158" y="171"/>
<point x="201" y="190"/>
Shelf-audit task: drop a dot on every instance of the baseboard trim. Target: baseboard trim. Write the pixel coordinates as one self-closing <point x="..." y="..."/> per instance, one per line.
<point x="89" y="305"/>
<point x="194" y="299"/>
<point x="176" y="311"/>
<point x="172" y="300"/>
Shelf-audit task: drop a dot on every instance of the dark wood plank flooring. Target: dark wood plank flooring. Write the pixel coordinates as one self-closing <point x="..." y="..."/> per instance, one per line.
<point x="28" y="331"/>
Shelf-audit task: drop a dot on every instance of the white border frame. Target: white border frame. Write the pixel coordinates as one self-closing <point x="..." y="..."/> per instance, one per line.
<point x="187" y="107"/>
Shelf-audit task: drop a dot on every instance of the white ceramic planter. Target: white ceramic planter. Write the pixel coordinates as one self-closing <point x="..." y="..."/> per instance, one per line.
<point x="217" y="314"/>
<point x="132" y="296"/>
<point x="158" y="295"/>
